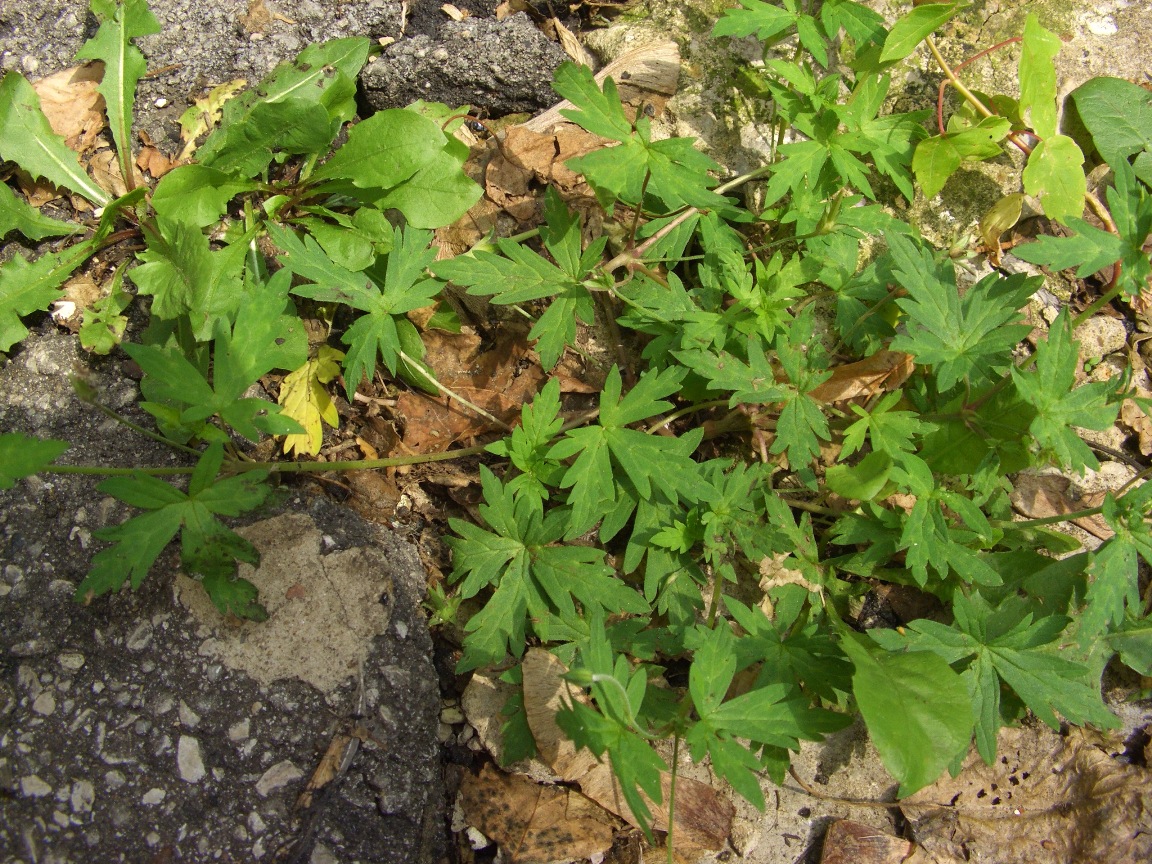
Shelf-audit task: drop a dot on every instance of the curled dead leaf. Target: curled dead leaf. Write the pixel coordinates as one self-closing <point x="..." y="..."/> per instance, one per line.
<point x="75" y="110"/>
<point x="1045" y="799"/>
<point x="1040" y="496"/>
<point x="533" y="823"/>
<point x="883" y="372"/>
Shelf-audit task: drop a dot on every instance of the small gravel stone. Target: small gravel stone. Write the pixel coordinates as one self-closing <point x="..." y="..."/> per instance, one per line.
<point x="33" y="787"/>
<point x="44" y="704"/>
<point x="452" y="716"/>
<point x="188" y="760"/>
<point x="83" y="796"/>
<point x="141" y="637"/>
<point x="152" y="797"/>
<point x="1100" y="336"/>
<point x="280" y="774"/>
<point x="188" y="717"/>
<point x="238" y="732"/>
<point x="73" y="661"/>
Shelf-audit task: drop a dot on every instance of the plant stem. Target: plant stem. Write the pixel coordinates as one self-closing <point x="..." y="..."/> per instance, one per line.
<point x="1048" y="520"/>
<point x="280" y="467"/>
<point x="629" y="255"/>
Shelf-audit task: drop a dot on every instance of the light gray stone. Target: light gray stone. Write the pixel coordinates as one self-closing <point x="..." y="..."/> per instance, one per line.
<point x="188" y="759"/>
<point x="44" y="704"/>
<point x="33" y="787"/>
<point x="152" y="797"/>
<point x="278" y="776"/>
<point x="83" y="796"/>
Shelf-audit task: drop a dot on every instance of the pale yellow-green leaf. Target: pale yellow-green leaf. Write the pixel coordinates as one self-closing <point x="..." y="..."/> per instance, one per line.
<point x="304" y="399"/>
<point x="1054" y="173"/>
<point x="1000" y="217"/>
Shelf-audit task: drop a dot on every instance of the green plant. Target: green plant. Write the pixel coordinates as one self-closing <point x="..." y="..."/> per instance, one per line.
<point x="632" y="539"/>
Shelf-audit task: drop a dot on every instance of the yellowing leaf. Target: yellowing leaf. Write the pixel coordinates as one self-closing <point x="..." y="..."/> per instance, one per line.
<point x="205" y="114"/>
<point x="305" y="400"/>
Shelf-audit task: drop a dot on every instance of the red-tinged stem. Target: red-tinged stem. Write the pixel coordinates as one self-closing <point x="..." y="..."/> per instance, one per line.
<point x="950" y="78"/>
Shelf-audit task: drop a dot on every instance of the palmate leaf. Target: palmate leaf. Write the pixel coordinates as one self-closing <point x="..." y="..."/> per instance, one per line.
<point x="619" y="691"/>
<point x="186" y="277"/>
<point x="672" y="171"/>
<point x="771" y="714"/>
<point x="1006" y="644"/>
<point x="812" y="660"/>
<point x="533" y="576"/>
<point x="527" y="447"/>
<point x="29" y="287"/>
<point x="651" y="464"/>
<point x="518" y="275"/>
<point x="967" y="338"/>
<point x="382" y="331"/>
<point x="597" y="110"/>
<point x="120" y="23"/>
<point x="1059" y="405"/>
<point x="1114" y="583"/>
<point x="26" y="288"/>
<point x="1092" y="248"/>
<point x="209" y="549"/>
<point x="756" y="18"/>
<point x="263" y="338"/>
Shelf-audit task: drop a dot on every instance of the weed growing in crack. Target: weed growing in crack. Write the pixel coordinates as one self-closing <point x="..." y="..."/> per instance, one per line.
<point x="887" y="402"/>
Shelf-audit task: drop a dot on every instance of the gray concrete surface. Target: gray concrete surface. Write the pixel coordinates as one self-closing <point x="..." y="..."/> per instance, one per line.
<point x="135" y="730"/>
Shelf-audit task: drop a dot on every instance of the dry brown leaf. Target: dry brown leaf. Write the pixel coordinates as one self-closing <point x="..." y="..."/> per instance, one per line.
<point x="1040" y="496"/>
<point x="375" y="496"/>
<point x="1045" y="800"/>
<point x="493" y="379"/>
<point x="849" y="842"/>
<point x="1133" y="416"/>
<point x="329" y="767"/>
<point x="259" y="17"/>
<point x="884" y="371"/>
<point x="571" y="44"/>
<point x="105" y="170"/>
<point x="534" y="824"/>
<point x="74" y="109"/>
<point x="703" y="817"/>
<point x="80" y="292"/>
<point x="545" y="693"/>
<point x="154" y="162"/>
<point x="511" y="7"/>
